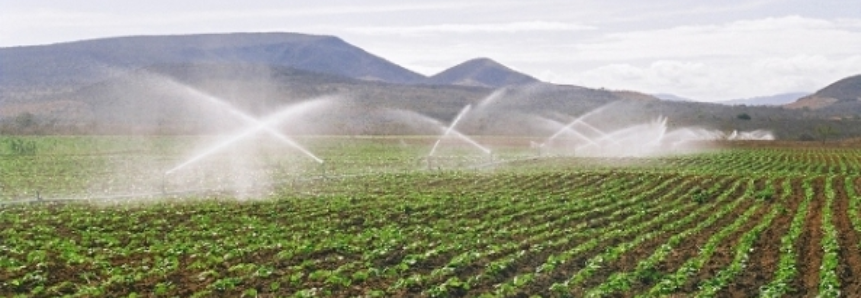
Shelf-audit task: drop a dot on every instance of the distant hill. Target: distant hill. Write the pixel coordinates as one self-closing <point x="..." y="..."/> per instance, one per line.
<point x="634" y="95"/>
<point x="772" y="100"/>
<point x="671" y="97"/>
<point x="178" y="98"/>
<point x="69" y="65"/>
<point x="846" y="91"/>
<point x="168" y="85"/>
<point x="481" y="72"/>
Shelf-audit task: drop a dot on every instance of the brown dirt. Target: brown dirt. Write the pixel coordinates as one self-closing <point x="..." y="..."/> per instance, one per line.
<point x="764" y="259"/>
<point x="527" y="218"/>
<point x="628" y="261"/>
<point x="691" y="247"/>
<point x="809" y="247"/>
<point x="725" y="252"/>
<point x="849" y="269"/>
<point x="531" y="261"/>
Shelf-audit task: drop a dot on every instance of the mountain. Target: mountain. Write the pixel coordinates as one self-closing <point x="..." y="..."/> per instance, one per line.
<point x="848" y="89"/>
<point x="177" y="84"/>
<point x="481" y="72"/>
<point x="772" y="100"/>
<point x="65" y="66"/>
<point x="180" y="98"/>
<point x="188" y="99"/>
<point x="672" y="97"/>
<point x="845" y="93"/>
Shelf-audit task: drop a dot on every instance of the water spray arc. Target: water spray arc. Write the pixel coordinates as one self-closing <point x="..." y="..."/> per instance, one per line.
<point x="575" y="122"/>
<point x="252" y="121"/>
<point x="644" y="136"/>
<point x="450" y="127"/>
<point x="258" y="125"/>
<point x="218" y="147"/>
<point x="450" y="130"/>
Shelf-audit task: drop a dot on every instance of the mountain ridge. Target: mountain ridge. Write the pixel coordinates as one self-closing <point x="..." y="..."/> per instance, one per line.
<point x="846" y="91"/>
<point x="672" y="97"/>
<point x="481" y="72"/>
<point x="768" y="100"/>
<point x="88" y="61"/>
<point x="133" y="84"/>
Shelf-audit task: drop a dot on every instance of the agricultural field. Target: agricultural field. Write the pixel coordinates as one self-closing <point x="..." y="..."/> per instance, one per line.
<point x="376" y="219"/>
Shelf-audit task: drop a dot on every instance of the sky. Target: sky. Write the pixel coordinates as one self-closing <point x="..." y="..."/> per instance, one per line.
<point x="702" y="50"/>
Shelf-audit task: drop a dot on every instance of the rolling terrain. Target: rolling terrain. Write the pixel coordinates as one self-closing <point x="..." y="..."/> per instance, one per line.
<point x="153" y="84"/>
<point x="772" y="100"/>
<point x="839" y="99"/>
<point x="481" y="72"/>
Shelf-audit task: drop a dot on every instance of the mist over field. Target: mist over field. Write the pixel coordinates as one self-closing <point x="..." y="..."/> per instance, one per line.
<point x="430" y="149"/>
<point x="156" y="85"/>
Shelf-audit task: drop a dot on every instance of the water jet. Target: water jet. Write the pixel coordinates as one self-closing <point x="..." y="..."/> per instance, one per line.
<point x="258" y="125"/>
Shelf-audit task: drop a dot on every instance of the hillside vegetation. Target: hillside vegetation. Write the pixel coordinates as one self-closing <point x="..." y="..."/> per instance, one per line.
<point x="155" y="85"/>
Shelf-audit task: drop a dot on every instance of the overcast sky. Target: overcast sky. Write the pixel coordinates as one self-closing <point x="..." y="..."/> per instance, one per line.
<point x="704" y="50"/>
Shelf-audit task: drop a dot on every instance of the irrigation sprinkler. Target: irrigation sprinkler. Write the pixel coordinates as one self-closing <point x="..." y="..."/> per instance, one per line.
<point x="434" y="163"/>
<point x="164" y="183"/>
<point x="323" y="170"/>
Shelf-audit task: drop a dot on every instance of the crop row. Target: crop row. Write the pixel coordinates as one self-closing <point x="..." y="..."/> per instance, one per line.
<point x="520" y="234"/>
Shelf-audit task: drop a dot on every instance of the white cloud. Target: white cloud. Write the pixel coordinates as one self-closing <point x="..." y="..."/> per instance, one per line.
<point x="678" y="74"/>
<point x="737" y="59"/>
<point x="742" y="58"/>
<point x="725" y="80"/>
<point x="513" y="27"/>
<point x="44" y="24"/>
<point x="33" y="16"/>
<point x="699" y="50"/>
<point x="768" y="36"/>
<point x="649" y="11"/>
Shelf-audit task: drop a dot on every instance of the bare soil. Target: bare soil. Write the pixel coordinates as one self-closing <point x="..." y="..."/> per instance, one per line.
<point x="809" y="245"/>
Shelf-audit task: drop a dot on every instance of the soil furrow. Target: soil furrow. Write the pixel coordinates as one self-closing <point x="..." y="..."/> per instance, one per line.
<point x="724" y="253"/>
<point x="531" y="261"/>
<point x="764" y="259"/>
<point x="691" y="247"/>
<point x="849" y="269"/>
<point x="809" y="244"/>
<point x="628" y="261"/>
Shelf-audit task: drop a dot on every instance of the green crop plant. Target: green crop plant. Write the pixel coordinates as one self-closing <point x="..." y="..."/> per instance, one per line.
<point x="393" y="228"/>
<point x="672" y="282"/>
<point x="854" y="202"/>
<point x="645" y="270"/>
<point x="710" y="288"/>
<point x="829" y="281"/>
